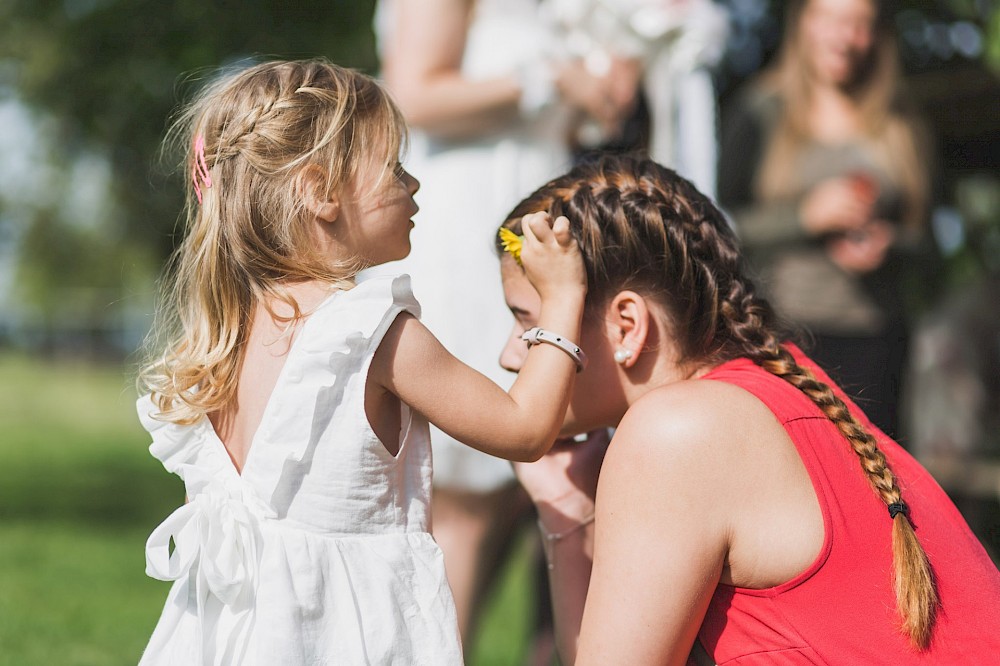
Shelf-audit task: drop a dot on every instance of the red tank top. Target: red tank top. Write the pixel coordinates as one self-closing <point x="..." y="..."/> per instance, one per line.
<point x="842" y="609"/>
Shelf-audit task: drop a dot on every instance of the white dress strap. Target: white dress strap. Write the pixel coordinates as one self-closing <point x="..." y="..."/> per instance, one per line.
<point x="173" y="444"/>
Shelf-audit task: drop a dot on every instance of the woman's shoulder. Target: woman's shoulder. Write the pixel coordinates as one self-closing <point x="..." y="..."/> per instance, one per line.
<point x="701" y="422"/>
<point x="758" y="97"/>
<point x="681" y="446"/>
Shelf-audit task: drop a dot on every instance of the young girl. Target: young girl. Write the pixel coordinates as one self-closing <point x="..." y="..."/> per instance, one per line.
<point x="744" y="503"/>
<point x="293" y="403"/>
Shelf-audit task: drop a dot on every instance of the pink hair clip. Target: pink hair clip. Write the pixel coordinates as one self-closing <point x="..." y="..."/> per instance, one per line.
<point x="200" y="168"/>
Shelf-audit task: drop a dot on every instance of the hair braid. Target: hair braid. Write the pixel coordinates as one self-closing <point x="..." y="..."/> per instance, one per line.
<point x="913" y="579"/>
<point x="643" y="227"/>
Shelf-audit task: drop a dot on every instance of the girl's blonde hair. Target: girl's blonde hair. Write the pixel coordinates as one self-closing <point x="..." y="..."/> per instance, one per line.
<point x="898" y="141"/>
<point x="642" y="227"/>
<point x="248" y="237"/>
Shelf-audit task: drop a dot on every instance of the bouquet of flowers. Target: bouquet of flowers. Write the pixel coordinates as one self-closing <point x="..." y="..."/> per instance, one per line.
<point x="674" y="42"/>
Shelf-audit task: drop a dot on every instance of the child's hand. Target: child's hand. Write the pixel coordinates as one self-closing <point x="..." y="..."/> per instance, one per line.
<point x="551" y="257"/>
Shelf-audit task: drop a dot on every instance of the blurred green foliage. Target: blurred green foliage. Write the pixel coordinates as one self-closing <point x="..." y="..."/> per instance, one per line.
<point x="111" y="71"/>
<point x="78" y="496"/>
<point x="103" y="77"/>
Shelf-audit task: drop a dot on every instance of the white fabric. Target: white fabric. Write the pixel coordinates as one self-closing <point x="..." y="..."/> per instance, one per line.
<point x="319" y="553"/>
<point x="467" y="188"/>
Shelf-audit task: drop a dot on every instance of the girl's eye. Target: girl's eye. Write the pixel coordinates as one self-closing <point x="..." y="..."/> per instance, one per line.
<point x="397" y="170"/>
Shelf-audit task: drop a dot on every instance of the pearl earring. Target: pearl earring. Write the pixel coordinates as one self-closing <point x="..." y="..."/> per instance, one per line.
<point x="622" y="354"/>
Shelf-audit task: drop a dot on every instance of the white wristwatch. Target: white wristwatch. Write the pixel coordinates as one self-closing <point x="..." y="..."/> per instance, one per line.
<point x="536" y="335"/>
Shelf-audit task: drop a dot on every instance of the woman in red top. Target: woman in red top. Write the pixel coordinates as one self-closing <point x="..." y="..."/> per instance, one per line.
<point x="745" y="503"/>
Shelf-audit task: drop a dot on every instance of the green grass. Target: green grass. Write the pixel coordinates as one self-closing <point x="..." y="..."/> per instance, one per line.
<point x="509" y="614"/>
<point x="79" y="494"/>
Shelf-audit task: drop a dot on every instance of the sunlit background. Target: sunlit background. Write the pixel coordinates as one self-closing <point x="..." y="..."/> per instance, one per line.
<point x="88" y="208"/>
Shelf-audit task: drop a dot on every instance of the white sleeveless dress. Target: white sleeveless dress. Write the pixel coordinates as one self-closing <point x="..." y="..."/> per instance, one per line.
<point x="319" y="553"/>
<point x="467" y="188"/>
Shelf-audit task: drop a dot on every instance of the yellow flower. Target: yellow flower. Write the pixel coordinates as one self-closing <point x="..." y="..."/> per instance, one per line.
<point x="511" y="243"/>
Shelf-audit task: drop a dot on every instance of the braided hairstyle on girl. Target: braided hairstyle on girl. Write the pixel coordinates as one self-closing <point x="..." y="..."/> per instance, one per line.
<point x="249" y="140"/>
<point x="644" y="228"/>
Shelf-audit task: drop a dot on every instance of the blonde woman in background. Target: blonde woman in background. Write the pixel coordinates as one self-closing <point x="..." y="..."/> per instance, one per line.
<point x="826" y="175"/>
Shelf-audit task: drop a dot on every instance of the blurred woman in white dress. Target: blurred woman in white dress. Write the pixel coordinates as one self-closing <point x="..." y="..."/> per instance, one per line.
<point x="491" y="106"/>
<point x="496" y="93"/>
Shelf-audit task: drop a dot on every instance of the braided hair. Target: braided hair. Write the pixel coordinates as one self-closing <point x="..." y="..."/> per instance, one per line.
<point x="644" y="228"/>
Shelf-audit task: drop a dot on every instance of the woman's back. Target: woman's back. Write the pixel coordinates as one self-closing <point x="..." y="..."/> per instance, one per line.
<point x="842" y="608"/>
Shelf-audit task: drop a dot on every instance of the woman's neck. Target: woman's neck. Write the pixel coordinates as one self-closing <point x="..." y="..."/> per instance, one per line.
<point x="661" y="369"/>
<point x="833" y="115"/>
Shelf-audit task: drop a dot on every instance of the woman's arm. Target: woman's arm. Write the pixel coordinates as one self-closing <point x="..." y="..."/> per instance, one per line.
<point x="520" y="424"/>
<point x="422" y="66"/>
<point x="661" y="531"/>
<point x="563" y="485"/>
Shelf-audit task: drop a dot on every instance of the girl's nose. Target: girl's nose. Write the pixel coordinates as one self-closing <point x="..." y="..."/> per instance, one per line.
<point x="412" y="184"/>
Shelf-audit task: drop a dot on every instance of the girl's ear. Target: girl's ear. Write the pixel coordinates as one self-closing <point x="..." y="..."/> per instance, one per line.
<point x="628" y="326"/>
<point x="312" y="186"/>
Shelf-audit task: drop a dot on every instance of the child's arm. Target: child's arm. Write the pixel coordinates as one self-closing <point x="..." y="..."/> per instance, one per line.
<point x="519" y="425"/>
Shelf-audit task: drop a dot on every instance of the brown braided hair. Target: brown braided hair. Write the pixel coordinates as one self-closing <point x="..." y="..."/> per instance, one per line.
<point x="644" y="228"/>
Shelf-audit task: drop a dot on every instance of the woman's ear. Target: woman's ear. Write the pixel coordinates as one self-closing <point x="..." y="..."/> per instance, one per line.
<point x="628" y="326"/>
<point x="314" y="189"/>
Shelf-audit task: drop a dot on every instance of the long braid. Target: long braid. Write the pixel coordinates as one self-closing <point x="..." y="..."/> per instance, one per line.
<point x="913" y="579"/>
<point x="752" y="333"/>
<point x="643" y="227"/>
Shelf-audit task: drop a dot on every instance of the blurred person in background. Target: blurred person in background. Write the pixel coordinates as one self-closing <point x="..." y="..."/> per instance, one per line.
<point x="825" y="172"/>
<point x="492" y="107"/>
<point x="953" y="402"/>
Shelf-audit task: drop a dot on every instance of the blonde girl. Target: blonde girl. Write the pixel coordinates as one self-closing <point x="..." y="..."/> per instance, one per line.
<point x="745" y="505"/>
<point x="294" y="404"/>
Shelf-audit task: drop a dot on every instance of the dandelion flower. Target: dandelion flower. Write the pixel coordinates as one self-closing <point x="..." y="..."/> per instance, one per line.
<point x="511" y="243"/>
